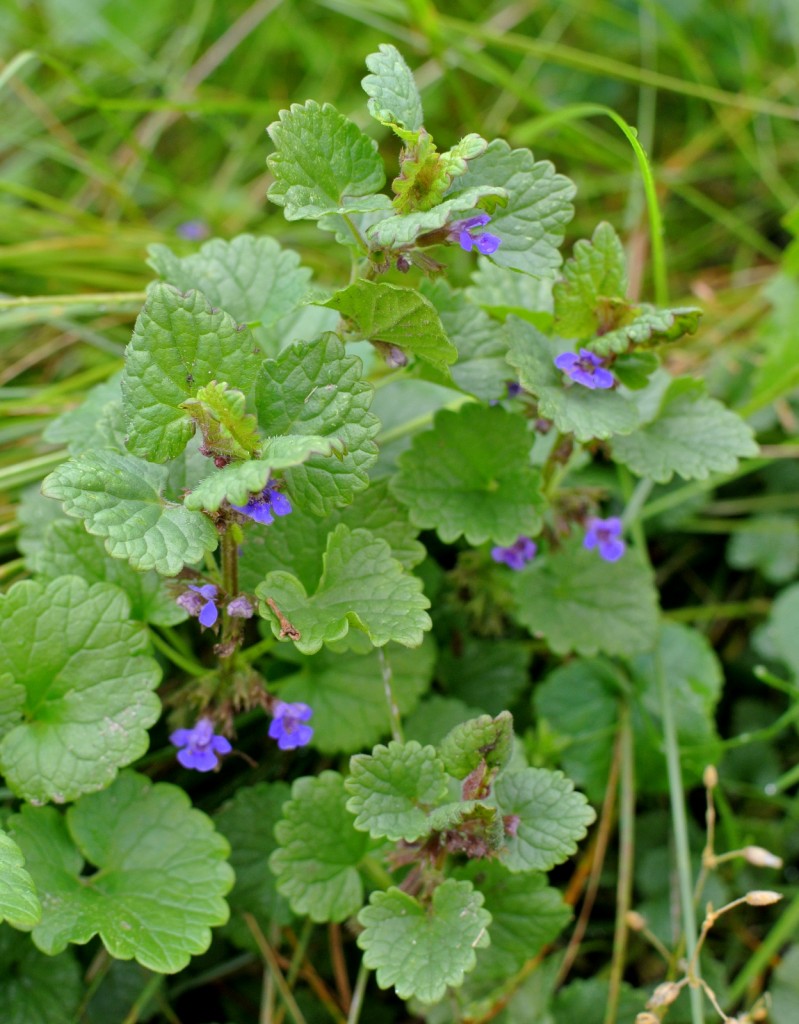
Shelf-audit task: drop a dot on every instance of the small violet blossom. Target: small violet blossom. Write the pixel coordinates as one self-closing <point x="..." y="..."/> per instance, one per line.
<point x="605" y="535"/>
<point x="587" y="369"/>
<point x="201" y="603"/>
<point x="287" y="725"/>
<point x="200" y="746"/>
<point x="193" y="230"/>
<point x="485" y="243"/>
<point x="262" y="508"/>
<point x="517" y="555"/>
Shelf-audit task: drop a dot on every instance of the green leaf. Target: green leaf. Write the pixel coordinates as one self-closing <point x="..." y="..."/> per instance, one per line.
<point x="533" y="223"/>
<point x="348" y="695"/>
<point x="435" y="717"/>
<point x="248" y="822"/>
<point x="297" y="542"/>
<point x="526" y="916"/>
<point x="485" y="740"/>
<point x="68" y="550"/>
<point x="580" y="702"/>
<point x="574" y="409"/>
<point x="119" y="498"/>
<point x="315" y="389"/>
<point x="236" y="482"/>
<point x="226" y="429"/>
<point x="79" y="708"/>
<point x="36" y="989"/>
<point x="578" y="602"/>
<point x="596" y="271"/>
<point x="395" y="316"/>
<point x="19" y="904"/>
<point x="421" y="949"/>
<point x="647" y="326"/>
<point x="394" y="788"/>
<point x="695" y="679"/>
<point x="252" y="279"/>
<point x="458" y="480"/>
<point x="503" y="293"/>
<point x="464" y="668"/>
<point x="319" y="850"/>
<point x="691" y="435"/>
<point x="552" y="817"/>
<point x="481" y="368"/>
<point x="401" y="232"/>
<point x="633" y="369"/>
<point x="361" y="585"/>
<point x="91" y="425"/>
<point x="322" y="161"/>
<point x="780" y="628"/>
<point x="770" y="545"/>
<point x="179" y="345"/>
<point x="160" y="880"/>
<point x="393" y="96"/>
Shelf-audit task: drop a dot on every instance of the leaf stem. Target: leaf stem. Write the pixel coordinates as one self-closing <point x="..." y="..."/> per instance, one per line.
<point x="391" y="700"/>
<point x="194" y="668"/>
<point x="271" y="961"/>
<point x="358" y="994"/>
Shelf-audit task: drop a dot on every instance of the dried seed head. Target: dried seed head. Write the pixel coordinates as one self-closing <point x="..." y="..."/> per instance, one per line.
<point x="635" y="921"/>
<point x="710" y="777"/>
<point x="664" y="995"/>
<point x="762" y="897"/>
<point x="647" y="1018"/>
<point x="761" y="857"/>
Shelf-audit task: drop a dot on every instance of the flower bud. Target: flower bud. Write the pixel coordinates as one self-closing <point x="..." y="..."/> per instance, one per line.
<point x="635" y="921"/>
<point x="710" y="777"/>
<point x="664" y="995"/>
<point x="647" y="1018"/>
<point x="762" y="897"/>
<point x="241" y="607"/>
<point x="761" y="857"/>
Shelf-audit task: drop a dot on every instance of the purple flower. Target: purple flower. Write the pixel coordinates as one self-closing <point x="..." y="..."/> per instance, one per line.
<point x="517" y="555"/>
<point x="286" y="726"/>
<point x="241" y="607"/>
<point x="605" y="534"/>
<point x="485" y="243"/>
<point x="201" y="603"/>
<point x="262" y="508"/>
<point x="193" y="230"/>
<point x="586" y="368"/>
<point x="200" y="746"/>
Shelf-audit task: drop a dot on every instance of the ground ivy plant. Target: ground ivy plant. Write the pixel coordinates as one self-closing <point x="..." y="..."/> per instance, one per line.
<point x="265" y="466"/>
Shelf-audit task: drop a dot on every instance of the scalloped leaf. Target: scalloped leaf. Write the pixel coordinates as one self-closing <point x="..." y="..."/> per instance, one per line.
<point x="421" y="949"/>
<point x="316" y="389"/>
<point x="119" y="497"/>
<point x="179" y="345"/>
<point x="395" y="316"/>
<point x="34" y="988"/>
<point x="485" y="740"/>
<point x="160" y="881"/>
<point x="323" y="164"/>
<point x="691" y="435"/>
<point x="597" y="270"/>
<point x="578" y="602"/>
<point x="401" y="231"/>
<point x="394" y="99"/>
<point x="79" y="709"/>
<point x="348" y="695"/>
<point x="226" y="428"/>
<point x="552" y="817"/>
<point x="236" y="482"/>
<point x="533" y="223"/>
<point x="393" y="789"/>
<point x="573" y="408"/>
<point x="361" y="585"/>
<point x="253" y="279"/>
<point x="316" y="862"/>
<point x="458" y="480"/>
<point x="646" y="327"/>
<point x="68" y="550"/>
<point x="19" y="904"/>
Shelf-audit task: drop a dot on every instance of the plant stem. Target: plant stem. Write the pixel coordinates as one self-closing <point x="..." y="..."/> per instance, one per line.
<point x="194" y="668"/>
<point x="271" y="961"/>
<point x="358" y="994"/>
<point x="391" y="701"/>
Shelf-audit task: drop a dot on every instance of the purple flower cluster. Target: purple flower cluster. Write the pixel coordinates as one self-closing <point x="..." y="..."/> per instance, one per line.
<point x="200" y="602"/>
<point x="200" y="746"/>
<point x="587" y="369"/>
<point x="605" y="536"/>
<point x="461" y="232"/>
<point x="262" y="508"/>
<point x="287" y="725"/>
<point x="517" y="555"/>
